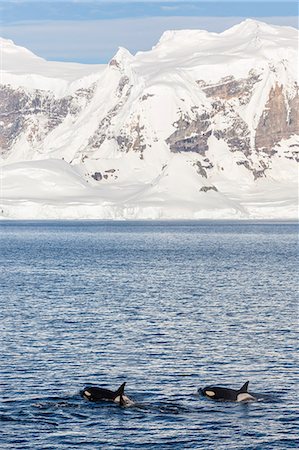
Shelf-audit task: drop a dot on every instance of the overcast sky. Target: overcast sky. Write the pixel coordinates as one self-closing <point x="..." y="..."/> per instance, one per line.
<point x="90" y="31"/>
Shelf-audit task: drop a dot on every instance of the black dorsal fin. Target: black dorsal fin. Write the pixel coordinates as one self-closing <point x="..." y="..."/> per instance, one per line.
<point x="120" y="390"/>
<point x="244" y="388"/>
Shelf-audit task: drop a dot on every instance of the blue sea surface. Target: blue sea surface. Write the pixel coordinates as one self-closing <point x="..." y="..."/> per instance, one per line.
<point x="168" y="307"/>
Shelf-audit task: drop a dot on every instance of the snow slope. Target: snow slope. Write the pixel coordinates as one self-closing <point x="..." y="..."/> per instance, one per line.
<point x="21" y="67"/>
<point x="204" y="125"/>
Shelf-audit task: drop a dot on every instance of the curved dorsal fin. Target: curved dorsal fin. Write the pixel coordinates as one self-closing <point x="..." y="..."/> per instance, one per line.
<point x="119" y="393"/>
<point x="120" y="390"/>
<point x="244" y="388"/>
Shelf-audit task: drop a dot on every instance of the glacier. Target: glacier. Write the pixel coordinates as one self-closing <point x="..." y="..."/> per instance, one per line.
<point x="202" y="126"/>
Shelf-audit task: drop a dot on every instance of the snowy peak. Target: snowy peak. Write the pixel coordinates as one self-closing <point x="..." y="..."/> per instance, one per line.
<point x="252" y="28"/>
<point x="16" y="59"/>
<point x="8" y="47"/>
<point x="22" y="68"/>
<point x="121" y="58"/>
<point x="182" y="38"/>
<point x="240" y="40"/>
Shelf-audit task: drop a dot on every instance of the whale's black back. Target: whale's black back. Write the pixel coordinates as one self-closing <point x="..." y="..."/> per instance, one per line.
<point x="222" y="393"/>
<point x="96" y="394"/>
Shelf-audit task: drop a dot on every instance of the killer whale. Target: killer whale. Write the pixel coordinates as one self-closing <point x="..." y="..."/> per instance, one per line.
<point x="226" y="394"/>
<point x="98" y="394"/>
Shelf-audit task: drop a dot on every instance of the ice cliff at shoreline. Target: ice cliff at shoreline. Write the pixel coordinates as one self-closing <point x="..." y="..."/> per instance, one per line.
<point x="204" y="125"/>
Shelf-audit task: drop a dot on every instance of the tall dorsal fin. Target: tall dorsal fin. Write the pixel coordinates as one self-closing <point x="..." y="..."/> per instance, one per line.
<point x="120" y="390"/>
<point x="244" y="388"/>
<point x="119" y="393"/>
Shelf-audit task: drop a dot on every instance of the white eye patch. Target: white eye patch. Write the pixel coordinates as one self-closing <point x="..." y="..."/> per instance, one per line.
<point x="88" y="394"/>
<point x="210" y="393"/>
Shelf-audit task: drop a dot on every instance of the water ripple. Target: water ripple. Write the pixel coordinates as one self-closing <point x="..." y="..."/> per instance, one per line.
<point x="168" y="307"/>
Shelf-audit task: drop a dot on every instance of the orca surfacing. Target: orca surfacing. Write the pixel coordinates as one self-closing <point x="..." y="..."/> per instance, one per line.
<point x="98" y="394"/>
<point x="226" y="394"/>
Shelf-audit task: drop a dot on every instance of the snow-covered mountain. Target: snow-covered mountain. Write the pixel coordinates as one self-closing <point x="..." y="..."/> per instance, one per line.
<point x="204" y="125"/>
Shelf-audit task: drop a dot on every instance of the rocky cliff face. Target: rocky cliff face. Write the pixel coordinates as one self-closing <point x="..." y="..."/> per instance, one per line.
<point x="30" y="115"/>
<point x="279" y="121"/>
<point x="33" y="115"/>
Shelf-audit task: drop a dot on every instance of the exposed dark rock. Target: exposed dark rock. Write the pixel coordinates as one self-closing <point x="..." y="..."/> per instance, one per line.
<point x="244" y="163"/>
<point x="110" y="174"/>
<point x="34" y="114"/>
<point x="132" y="139"/>
<point x="208" y="188"/>
<point x="237" y="135"/>
<point x="97" y="176"/>
<point x="114" y="63"/>
<point x="123" y="82"/>
<point x="207" y="163"/>
<point x="228" y="88"/>
<point x="280" y="120"/>
<point x="138" y="144"/>
<point x="146" y="96"/>
<point x="123" y="142"/>
<point x="86" y="93"/>
<point x="100" y="135"/>
<point x="200" y="170"/>
<point x="191" y="135"/>
<point x="256" y="172"/>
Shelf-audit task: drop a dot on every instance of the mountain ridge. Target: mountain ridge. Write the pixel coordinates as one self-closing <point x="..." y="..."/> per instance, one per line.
<point x="204" y="125"/>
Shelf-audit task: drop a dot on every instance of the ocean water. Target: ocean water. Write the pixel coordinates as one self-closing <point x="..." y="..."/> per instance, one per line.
<point x="168" y="307"/>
